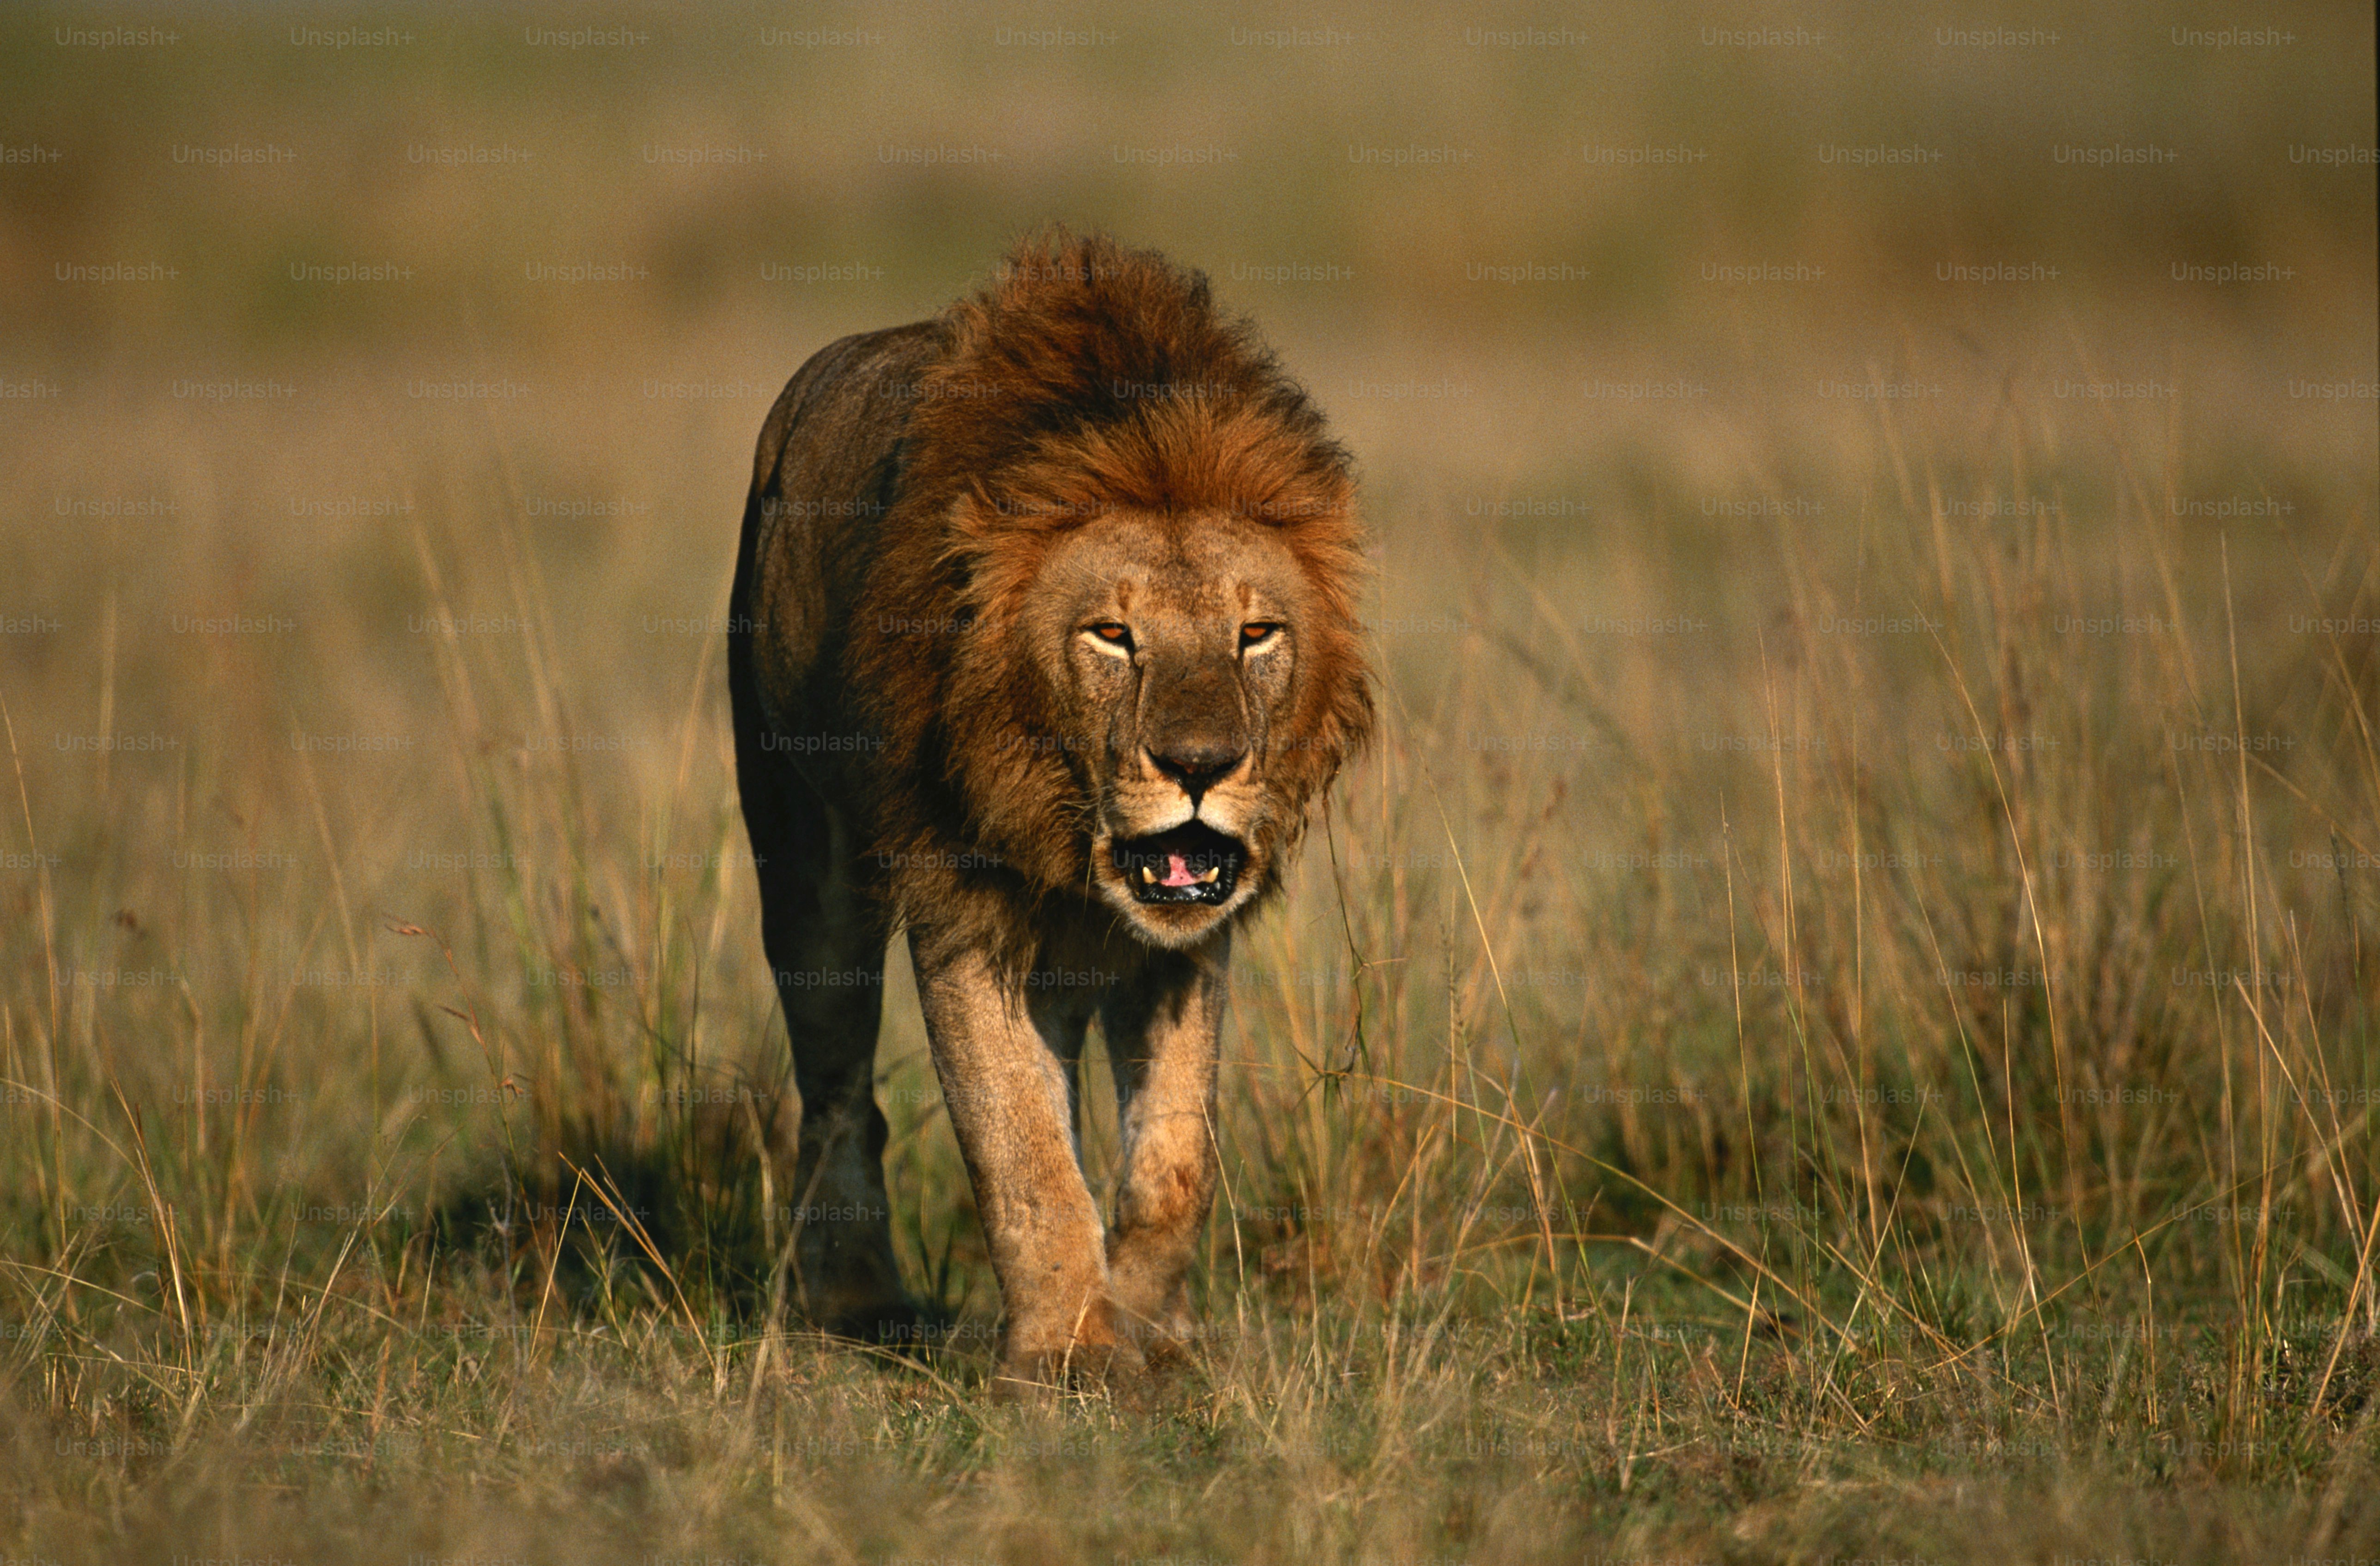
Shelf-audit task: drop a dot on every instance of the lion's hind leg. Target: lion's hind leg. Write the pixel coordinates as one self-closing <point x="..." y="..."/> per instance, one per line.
<point x="823" y="928"/>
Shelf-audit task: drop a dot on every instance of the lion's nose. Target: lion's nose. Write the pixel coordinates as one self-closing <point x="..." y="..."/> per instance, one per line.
<point x="1196" y="766"/>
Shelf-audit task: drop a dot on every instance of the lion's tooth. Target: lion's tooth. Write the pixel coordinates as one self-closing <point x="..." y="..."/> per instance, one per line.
<point x="1147" y="876"/>
<point x="1213" y="876"/>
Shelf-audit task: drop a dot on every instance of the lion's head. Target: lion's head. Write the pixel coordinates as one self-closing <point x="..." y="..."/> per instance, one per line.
<point x="1144" y="549"/>
<point x="1171" y="652"/>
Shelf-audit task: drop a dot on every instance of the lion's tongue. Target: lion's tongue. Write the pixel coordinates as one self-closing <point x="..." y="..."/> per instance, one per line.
<point x="1177" y="871"/>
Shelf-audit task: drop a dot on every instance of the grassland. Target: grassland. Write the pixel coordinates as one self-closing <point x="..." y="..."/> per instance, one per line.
<point x="1837" y="1022"/>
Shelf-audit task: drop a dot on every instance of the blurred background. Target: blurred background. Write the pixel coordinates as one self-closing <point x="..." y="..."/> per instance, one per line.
<point x="1874" y="516"/>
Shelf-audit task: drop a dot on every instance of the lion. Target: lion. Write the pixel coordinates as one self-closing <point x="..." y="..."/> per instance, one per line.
<point x="1043" y="649"/>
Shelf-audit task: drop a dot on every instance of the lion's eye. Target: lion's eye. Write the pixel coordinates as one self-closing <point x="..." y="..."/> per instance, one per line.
<point x="1115" y="634"/>
<point x="1256" y="633"/>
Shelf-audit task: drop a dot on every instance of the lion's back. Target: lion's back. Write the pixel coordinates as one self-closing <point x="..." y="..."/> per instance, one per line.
<point x="824" y="480"/>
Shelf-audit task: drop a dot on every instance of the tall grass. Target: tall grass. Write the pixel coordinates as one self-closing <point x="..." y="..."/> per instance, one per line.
<point x="1707" y="1049"/>
<point x="1837" y="1021"/>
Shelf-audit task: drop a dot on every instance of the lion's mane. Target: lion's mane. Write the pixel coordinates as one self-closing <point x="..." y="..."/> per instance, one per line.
<point x="1086" y="377"/>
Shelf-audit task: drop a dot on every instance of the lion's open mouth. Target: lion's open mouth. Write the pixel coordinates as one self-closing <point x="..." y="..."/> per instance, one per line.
<point x="1191" y="863"/>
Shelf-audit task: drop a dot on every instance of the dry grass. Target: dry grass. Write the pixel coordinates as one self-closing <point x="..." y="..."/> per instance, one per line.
<point x="1725" y="1087"/>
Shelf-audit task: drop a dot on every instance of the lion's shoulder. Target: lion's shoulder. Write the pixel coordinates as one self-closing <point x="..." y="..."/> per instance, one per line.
<point x="850" y="398"/>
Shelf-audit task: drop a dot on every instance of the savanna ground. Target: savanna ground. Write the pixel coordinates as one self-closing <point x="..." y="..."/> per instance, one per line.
<point x="1836" y="1023"/>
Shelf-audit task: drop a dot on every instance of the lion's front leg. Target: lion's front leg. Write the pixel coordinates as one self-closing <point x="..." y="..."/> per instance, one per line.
<point x="1163" y="1034"/>
<point x="1001" y="1059"/>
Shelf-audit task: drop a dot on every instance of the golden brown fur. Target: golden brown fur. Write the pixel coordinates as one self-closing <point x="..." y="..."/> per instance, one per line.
<point x="1038" y="602"/>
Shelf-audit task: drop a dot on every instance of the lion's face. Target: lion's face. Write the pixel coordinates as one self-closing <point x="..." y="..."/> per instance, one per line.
<point x="1171" y="657"/>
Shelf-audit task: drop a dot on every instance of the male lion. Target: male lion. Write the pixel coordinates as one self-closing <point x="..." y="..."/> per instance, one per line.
<point x="1043" y="644"/>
